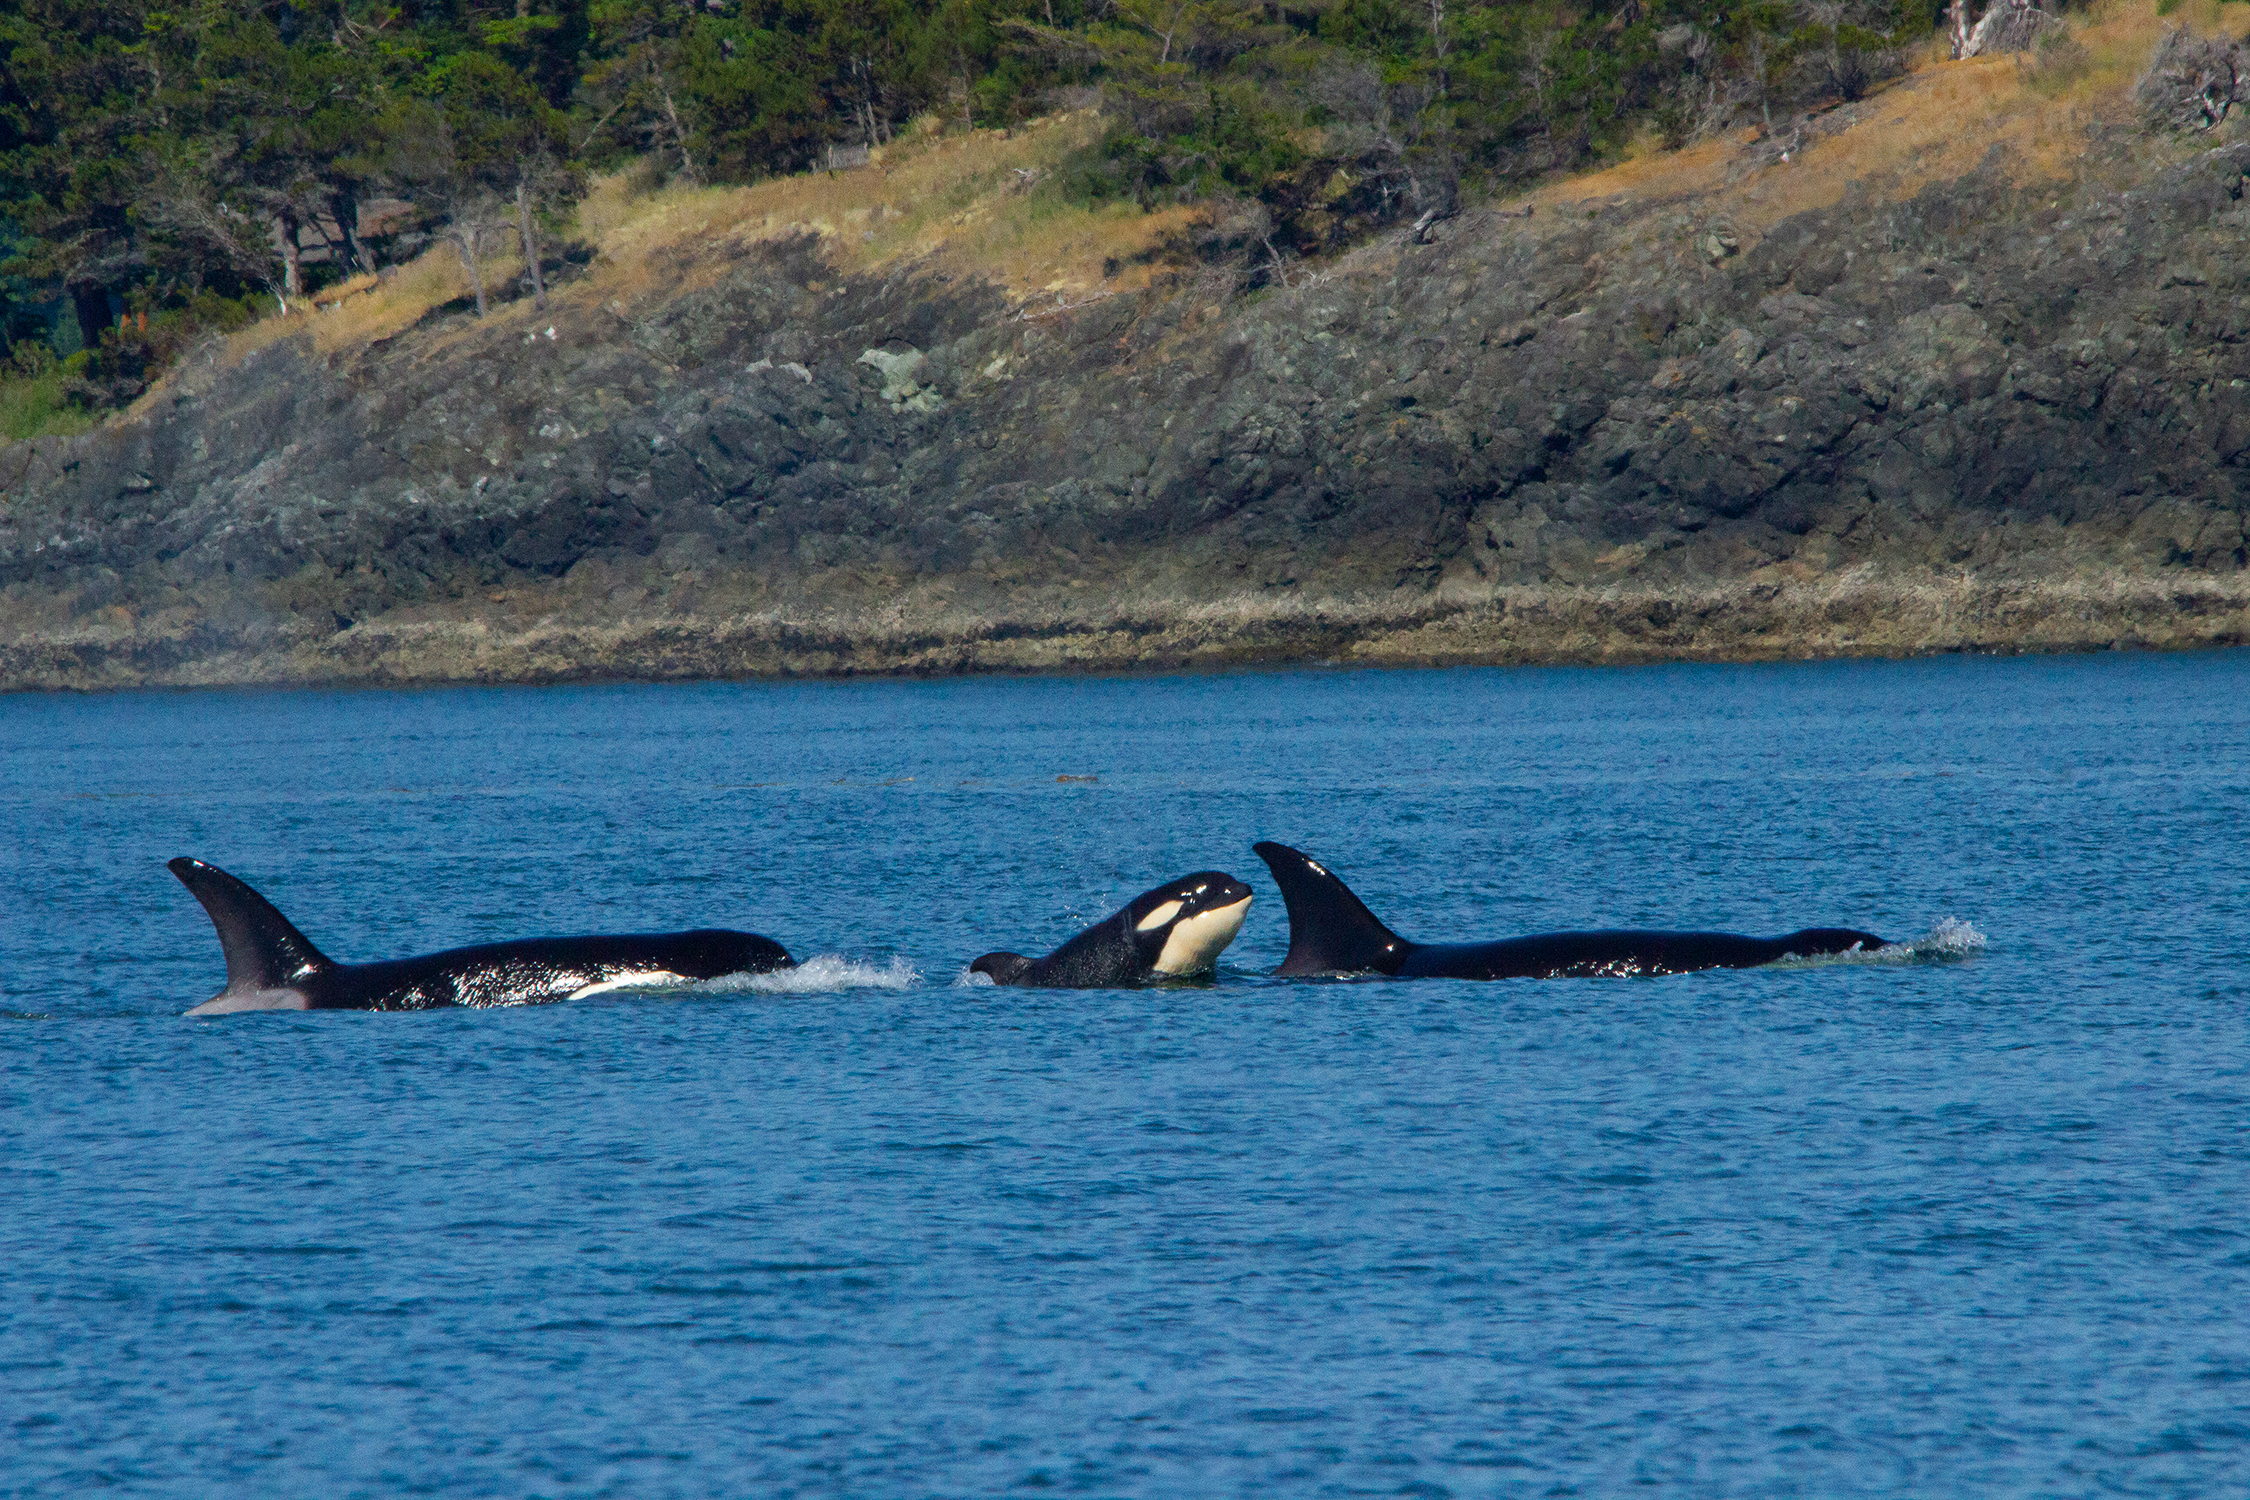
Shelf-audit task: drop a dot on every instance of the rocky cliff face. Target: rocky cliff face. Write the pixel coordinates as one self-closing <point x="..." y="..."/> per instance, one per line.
<point x="1982" y="415"/>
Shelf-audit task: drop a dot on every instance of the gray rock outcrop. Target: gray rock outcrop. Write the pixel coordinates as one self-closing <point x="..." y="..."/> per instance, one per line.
<point x="1984" y="416"/>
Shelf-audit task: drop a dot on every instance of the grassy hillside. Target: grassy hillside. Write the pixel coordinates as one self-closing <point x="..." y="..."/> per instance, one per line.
<point x="1938" y="121"/>
<point x="981" y="203"/>
<point x="995" y="203"/>
<point x="1954" y="366"/>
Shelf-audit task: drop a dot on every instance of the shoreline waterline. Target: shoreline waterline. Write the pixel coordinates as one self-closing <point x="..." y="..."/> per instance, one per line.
<point x="1759" y="620"/>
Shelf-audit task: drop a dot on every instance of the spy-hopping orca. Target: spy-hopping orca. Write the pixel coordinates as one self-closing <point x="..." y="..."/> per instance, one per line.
<point x="1179" y="928"/>
<point x="271" y="966"/>
<point x="1331" y="932"/>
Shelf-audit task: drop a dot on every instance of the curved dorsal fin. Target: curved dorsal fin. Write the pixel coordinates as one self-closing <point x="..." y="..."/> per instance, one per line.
<point x="263" y="951"/>
<point x="1331" y="931"/>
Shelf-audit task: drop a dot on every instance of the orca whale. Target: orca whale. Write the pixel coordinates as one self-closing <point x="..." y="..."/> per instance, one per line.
<point x="1176" y="929"/>
<point x="1332" y="932"/>
<point x="271" y="966"/>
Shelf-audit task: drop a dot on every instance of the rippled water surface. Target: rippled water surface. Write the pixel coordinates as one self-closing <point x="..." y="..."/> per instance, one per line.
<point x="1971" y="1226"/>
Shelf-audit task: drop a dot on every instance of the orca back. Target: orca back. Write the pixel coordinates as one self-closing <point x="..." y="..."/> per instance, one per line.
<point x="1590" y="955"/>
<point x="263" y="951"/>
<point x="1820" y="942"/>
<point x="1104" y="956"/>
<point x="1331" y="931"/>
<point x="1002" y="968"/>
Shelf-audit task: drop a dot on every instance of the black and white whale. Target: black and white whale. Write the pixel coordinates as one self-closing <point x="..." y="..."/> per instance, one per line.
<point x="1177" y="929"/>
<point x="271" y="966"/>
<point x="1332" y="932"/>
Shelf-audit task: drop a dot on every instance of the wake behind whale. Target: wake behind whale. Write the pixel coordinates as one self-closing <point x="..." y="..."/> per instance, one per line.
<point x="822" y="974"/>
<point x="1948" y="941"/>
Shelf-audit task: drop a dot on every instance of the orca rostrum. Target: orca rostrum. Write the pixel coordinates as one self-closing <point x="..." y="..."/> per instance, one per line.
<point x="272" y="966"/>
<point x="1173" y="931"/>
<point x="1332" y="932"/>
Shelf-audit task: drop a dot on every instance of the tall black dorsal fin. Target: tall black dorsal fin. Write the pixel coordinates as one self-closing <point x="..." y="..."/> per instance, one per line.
<point x="1331" y="931"/>
<point x="263" y="951"/>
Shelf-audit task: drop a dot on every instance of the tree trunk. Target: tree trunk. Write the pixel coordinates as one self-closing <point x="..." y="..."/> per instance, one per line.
<point x="1437" y="41"/>
<point x="344" y="205"/>
<point x="91" y="304"/>
<point x="530" y="235"/>
<point x="672" y="113"/>
<point x="1957" y="24"/>
<point x="1758" y="71"/>
<point x="465" y="240"/>
<point x="292" y="277"/>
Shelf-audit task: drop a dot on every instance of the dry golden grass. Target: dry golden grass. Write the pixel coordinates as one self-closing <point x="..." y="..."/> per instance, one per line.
<point x="366" y="308"/>
<point x="970" y="202"/>
<point x="965" y="201"/>
<point x="2119" y="35"/>
<point x="1939" y="121"/>
<point x="343" y="291"/>
<point x="430" y="280"/>
<point x="973" y="202"/>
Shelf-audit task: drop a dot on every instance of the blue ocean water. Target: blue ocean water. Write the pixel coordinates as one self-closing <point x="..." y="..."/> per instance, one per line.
<point x="1973" y="1225"/>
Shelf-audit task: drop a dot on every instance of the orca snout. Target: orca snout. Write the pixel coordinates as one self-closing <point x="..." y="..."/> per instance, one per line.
<point x="1211" y="890"/>
<point x="1188" y="897"/>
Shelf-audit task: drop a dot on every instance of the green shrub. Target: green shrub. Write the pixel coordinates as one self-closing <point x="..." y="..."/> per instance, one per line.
<point x="36" y="406"/>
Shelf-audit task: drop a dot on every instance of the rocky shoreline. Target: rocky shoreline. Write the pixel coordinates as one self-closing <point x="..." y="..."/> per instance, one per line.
<point x="1994" y="412"/>
<point x="1749" y="622"/>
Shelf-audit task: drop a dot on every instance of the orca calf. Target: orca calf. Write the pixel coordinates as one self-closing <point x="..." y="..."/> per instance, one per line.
<point x="1331" y="932"/>
<point x="1179" y="928"/>
<point x="270" y="965"/>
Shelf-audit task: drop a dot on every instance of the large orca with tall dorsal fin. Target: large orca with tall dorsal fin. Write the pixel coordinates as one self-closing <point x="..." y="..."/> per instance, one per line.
<point x="1331" y="931"/>
<point x="1173" y="931"/>
<point x="272" y="966"/>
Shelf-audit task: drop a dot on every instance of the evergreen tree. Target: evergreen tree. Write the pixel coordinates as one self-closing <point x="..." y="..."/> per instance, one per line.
<point x="181" y="156"/>
<point x="74" y="97"/>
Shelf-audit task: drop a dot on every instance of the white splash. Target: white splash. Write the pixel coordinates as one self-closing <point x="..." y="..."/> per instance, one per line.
<point x="969" y="979"/>
<point x="824" y="973"/>
<point x="1948" y="939"/>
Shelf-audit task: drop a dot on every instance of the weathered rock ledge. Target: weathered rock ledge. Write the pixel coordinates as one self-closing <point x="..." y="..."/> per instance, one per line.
<point x="1760" y="621"/>
<point x="1982" y="416"/>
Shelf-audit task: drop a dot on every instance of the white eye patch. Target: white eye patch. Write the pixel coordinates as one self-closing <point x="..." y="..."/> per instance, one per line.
<point x="1158" y="917"/>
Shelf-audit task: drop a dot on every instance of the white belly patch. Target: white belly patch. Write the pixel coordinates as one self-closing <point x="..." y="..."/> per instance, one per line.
<point x="1196" y="942"/>
<point x="638" y="979"/>
<point x="238" y="1000"/>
